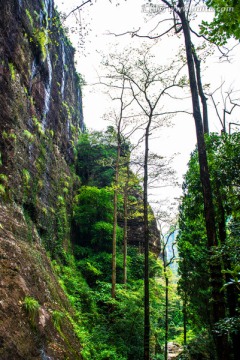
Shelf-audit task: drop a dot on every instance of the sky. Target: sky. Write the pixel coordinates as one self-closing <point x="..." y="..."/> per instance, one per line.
<point x="104" y="17"/>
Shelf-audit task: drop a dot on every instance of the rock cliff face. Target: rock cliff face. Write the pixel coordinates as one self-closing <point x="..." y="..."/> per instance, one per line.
<point x="41" y="112"/>
<point x="40" y="119"/>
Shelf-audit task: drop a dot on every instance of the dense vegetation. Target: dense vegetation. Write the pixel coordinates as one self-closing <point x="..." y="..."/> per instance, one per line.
<point x="110" y="328"/>
<point x="208" y="220"/>
<point x="196" y="256"/>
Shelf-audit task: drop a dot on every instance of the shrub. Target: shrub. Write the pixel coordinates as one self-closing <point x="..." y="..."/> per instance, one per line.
<point x="3" y="178"/>
<point x="12" y="71"/>
<point x="57" y="317"/>
<point x="28" y="135"/>
<point x="2" y="190"/>
<point x="31" y="306"/>
<point x="26" y="176"/>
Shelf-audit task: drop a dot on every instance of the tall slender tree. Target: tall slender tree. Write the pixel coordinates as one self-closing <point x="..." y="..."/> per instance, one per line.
<point x="218" y="306"/>
<point x="147" y="86"/>
<point x="134" y="81"/>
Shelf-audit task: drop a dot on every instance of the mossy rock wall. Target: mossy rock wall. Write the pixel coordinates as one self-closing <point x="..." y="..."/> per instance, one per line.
<point x="26" y="272"/>
<point x="41" y="114"/>
<point x="40" y="120"/>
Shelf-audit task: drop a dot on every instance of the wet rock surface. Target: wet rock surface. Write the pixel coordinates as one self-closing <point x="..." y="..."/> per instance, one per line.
<point x="41" y="114"/>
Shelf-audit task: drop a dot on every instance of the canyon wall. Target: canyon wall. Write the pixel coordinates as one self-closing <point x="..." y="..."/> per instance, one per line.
<point x="40" y="121"/>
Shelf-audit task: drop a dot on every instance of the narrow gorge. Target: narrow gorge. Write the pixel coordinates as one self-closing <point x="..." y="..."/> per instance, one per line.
<point x="103" y="256"/>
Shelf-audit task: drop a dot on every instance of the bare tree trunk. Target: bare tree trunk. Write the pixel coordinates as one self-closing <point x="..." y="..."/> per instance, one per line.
<point x="166" y="316"/>
<point x="115" y="198"/>
<point x="114" y="242"/>
<point x="201" y="93"/>
<point x="125" y="227"/>
<point x="146" y="250"/>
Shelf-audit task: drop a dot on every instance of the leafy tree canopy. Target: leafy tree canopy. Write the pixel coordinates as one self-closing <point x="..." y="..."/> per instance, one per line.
<point x="226" y="22"/>
<point x="93" y="213"/>
<point x="97" y="154"/>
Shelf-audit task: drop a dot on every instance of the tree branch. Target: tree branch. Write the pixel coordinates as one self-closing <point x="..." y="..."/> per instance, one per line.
<point x="77" y="8"/>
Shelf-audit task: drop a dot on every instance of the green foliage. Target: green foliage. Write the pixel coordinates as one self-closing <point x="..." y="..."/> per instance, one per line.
<point x="28" y="135"/>
<point x="80" y="79"/>
<point x="93" y="213"/>
<point x="225" y="23"/>
<point x="223" y="157"/>
<point x="93" y="204"/>
<point x="26" y="176"/>
<point x="229" y="325"/>
<point x="3" y="178"/>
<point x="57" y="317"/>
<point x="63" y="226"/>
<point x="65" y="190"/>
<point x="38" y="126"/>
<point x="74" y="284"/>
<point x="66" y="106"/>
<point x="96" y="159"/>
<point x="41" y="39"/>
<point x="135" y="264"/>
<point x="9" y="135"/>
<point x="12" y="71"/>
<point x="102" y="231"/>
<point x="2" y="190"/>
<point x="106" y="328"/>
<point x="97" y="267"/>
<point x="4" y="135"/>
<point x="201" y="347"/>
<point x="127" y="313"/>
<point x="31" y="306"/>
<point x="109" y="328"/>
<point x="192" y="247"/>
<point x="29" y="17"/>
